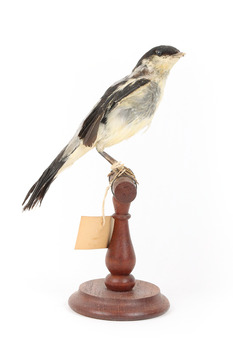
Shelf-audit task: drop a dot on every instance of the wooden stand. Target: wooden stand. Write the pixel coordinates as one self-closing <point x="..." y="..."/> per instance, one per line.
<point x="119" y="296"/>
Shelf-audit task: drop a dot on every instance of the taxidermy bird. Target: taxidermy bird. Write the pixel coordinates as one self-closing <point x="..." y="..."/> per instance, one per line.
<point x="125" y="108"/>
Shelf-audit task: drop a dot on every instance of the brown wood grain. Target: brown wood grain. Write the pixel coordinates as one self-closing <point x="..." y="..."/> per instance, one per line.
<point x="94" y="300"/>
<point x="119" y="296"/>
<point x="120" y="257"/>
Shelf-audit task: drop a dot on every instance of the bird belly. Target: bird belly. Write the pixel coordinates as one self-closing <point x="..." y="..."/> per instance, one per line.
<point x="118" y="130"/>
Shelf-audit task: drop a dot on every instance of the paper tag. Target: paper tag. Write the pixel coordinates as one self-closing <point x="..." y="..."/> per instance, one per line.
<point x="92" y="234"/>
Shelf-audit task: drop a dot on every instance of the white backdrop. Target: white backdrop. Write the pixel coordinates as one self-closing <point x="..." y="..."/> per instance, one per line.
<point x="57" y="59"/>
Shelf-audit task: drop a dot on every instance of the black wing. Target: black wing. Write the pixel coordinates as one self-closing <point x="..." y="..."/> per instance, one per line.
<point x="108" y="102"/>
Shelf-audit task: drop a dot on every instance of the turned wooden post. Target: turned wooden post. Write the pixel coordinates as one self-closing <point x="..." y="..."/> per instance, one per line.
<point x="120" y="257"/>
<point x="119" y="297"/>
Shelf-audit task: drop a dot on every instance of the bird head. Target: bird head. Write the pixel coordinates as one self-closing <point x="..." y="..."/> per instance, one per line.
<point x="160" y="59"/>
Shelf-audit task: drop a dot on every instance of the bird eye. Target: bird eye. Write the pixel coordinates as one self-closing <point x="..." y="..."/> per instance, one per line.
<point x="158" y="53"/>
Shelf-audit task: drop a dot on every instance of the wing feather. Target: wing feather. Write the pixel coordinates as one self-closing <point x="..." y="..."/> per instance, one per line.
<point x="107" y="103"/>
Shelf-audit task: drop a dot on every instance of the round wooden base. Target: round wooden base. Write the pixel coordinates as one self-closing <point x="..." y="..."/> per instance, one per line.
<point x="93" y="299"/>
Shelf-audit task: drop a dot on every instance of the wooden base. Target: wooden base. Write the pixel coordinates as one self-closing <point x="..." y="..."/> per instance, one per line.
<point x="93" y="299"/>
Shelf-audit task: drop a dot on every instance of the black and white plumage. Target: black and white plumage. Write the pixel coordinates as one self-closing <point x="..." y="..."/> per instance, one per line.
<point x="126" y="107"/>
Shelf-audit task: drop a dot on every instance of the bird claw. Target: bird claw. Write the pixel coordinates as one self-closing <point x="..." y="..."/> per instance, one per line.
<point x="119" y="169"/>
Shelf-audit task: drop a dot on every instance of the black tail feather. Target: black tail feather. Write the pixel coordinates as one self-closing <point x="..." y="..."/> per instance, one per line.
<point x="37" y="192"/>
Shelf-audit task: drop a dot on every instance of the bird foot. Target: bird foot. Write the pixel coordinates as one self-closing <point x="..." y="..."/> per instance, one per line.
<point x="119" y="169"/>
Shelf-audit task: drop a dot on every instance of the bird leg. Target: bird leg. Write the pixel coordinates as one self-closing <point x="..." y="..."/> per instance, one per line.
<point x="108" y="157"/>
<point x="117" y="168"/>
